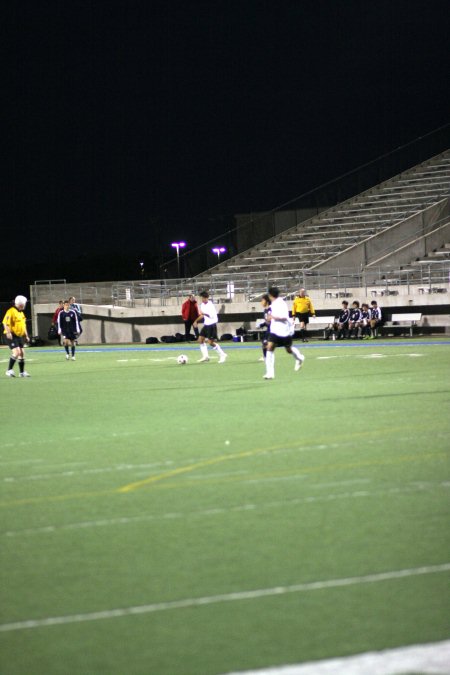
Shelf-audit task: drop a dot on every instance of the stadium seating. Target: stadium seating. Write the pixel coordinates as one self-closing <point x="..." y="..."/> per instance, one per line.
<point x="310" y="244"/>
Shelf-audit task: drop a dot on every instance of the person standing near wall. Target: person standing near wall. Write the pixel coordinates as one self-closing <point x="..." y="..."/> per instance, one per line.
<point x="77" y="308"/>
<point x="302" y="309"/>
<point x="15" y="329"/>
<point x="68" y="328"/>
<point x="55" y="318"/>
<point x="189" y="312"/>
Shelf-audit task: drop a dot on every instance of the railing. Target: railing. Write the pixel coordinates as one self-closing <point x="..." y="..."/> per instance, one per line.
<point x="428" y="275"/>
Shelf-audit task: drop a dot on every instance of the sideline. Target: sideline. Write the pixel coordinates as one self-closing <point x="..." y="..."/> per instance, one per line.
<point x="370" y="344"/>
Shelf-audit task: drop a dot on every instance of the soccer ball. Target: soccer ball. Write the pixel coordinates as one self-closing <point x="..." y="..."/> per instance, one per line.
<point x="182" y="359"/>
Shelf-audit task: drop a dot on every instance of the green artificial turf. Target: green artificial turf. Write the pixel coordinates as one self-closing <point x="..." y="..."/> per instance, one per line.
<point x="129" y="481"/>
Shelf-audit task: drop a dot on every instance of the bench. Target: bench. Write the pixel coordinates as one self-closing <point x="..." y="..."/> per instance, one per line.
<point x="407" y="320"/>
<point x="318" y="322"/>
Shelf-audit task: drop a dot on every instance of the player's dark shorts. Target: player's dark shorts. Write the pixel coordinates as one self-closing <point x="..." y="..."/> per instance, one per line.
<point x="280" y="341"/>
<point x="68" y="335"/>
<point x="303" y="318"/>
<point x="209" y="332"/>
<point x="265" y="338"/>
<point x="16" y="341"/>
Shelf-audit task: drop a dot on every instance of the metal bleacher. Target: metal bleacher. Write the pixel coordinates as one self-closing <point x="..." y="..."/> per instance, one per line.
<point x="326" y="236"/>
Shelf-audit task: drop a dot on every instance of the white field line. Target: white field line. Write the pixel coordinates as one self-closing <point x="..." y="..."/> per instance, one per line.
<point x="431" y="659"/>
<point x="75" y="439"/>
<point x="143" y="358"/>
<point x="366" y="356"/>
<point x="215" y="511"/>
<point x="21" y="461"/>
<point x="193" y="460"/>
<point x="85" y="472"/>
<point x="225" y="597"/>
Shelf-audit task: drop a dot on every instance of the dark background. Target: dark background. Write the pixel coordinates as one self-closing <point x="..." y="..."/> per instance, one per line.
<point x="134" y="123"/>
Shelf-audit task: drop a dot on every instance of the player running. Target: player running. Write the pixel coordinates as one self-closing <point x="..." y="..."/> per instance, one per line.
<point x="280" y="334"/>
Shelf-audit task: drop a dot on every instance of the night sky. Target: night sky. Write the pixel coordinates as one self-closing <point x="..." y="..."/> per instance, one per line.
<point x="132" y="122"/>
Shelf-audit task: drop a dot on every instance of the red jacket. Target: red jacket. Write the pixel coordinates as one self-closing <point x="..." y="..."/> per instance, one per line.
<point x="189" y="310"/>
<point x="55" y="315"/>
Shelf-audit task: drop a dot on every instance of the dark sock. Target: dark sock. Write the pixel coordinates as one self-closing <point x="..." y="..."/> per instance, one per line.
<point x="73" y="350"/>
<point x="11" y="363"/>
<point x="21" y="365"/>
<point x="66" y="347"/>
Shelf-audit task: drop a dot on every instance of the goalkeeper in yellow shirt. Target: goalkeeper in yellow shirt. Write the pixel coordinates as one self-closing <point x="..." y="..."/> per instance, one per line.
<point x="15" y="329"/>
<point x="302" y="309"/>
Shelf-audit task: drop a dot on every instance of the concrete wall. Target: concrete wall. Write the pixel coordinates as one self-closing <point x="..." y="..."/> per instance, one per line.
<point x="103" y="325"/>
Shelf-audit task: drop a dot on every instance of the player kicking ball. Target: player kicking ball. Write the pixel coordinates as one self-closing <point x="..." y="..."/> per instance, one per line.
<point x="280" y="334"/>
<point x="208" y="334"/>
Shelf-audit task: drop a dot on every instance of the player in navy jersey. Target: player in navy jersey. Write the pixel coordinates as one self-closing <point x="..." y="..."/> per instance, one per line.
<point x="265" y="323"/>
<point x="376" y="318"/>
<point x="338" y="329"/>
<point x="77" y="308"/>
<point x="68" y="328"/>
<point x="354" y="320"/>
<point x="365" y="322"/>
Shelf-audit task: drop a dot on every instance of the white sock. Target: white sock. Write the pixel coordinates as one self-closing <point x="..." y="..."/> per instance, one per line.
<point x="219" y="349"/>
<point x="296" y="354"/>
<point x="270" y="364"/>
<point x="204" y="350"/>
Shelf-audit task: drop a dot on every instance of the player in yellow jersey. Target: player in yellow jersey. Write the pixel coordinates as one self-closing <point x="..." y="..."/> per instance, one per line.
<point x="302" y="309"/>
<point x="15" y="329"/>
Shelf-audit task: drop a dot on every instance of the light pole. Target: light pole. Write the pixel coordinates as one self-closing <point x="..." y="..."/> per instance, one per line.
<point x="177" y="245"/>
<point x="218" y="250"/>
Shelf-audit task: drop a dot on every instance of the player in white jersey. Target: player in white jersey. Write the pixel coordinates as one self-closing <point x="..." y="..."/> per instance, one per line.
<point x="280" y="334"/>
<point x="208" y="333"/>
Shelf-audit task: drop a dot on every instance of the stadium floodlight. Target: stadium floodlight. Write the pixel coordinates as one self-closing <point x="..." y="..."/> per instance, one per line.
<point x="218" y="250"/>
<point x="177" y="245"/>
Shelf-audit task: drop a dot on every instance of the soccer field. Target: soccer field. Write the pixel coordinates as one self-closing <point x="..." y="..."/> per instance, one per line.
<point x="164" y="519"/>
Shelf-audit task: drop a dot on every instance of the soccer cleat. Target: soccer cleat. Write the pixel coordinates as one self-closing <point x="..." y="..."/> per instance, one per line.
<point x="9" y="373"/>
<point x="223" y="357"/>
<point x="203" y="359"/>
<point x="268" y="377"/>
<point x="73" y="358"/>
<point x="261" y="358"/>
<point x="24" y="374"/>
<point x="67" y="357"/>
<point x="298" y="364"/>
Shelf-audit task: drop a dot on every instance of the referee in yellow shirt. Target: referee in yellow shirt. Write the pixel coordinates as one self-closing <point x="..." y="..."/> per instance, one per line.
<point x="15" y="329"/>
<point x="302" y="309"/>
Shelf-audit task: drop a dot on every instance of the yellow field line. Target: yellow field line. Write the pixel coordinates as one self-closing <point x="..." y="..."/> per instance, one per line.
<point x="191" y="467"/>
<point x="298" y="471"/>
<point x="249" y="453"/>
<point x="197" y="465"/>
<point x="152" y="480"/>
